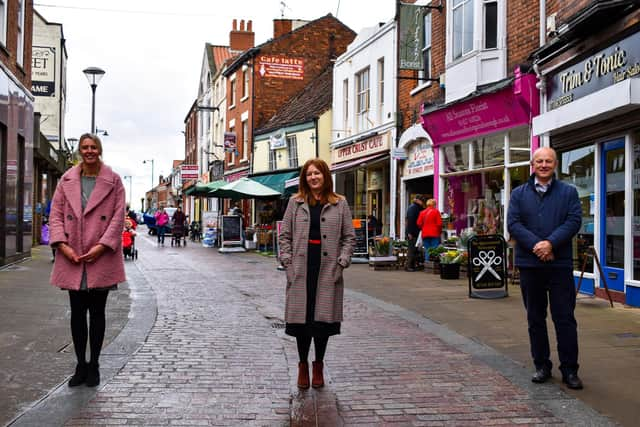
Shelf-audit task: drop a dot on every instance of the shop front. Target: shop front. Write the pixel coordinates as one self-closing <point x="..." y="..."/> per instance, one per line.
<point x="482" y="148"/>
<point x="361" y="173"/>
<point x="592" y="120"/>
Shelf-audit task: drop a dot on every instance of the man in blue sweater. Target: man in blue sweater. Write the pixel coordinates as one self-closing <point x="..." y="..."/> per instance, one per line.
<point x="544" y="215"/>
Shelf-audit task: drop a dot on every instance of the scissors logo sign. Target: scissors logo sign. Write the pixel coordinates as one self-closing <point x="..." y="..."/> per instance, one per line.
<point x="487" y="259"/>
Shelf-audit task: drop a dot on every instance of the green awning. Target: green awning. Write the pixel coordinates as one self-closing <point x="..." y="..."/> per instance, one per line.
<point x="276" y="180"/>
<point x="204" y="189"/>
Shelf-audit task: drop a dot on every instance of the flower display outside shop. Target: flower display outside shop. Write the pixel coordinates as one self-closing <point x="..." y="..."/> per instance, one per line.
<point x="453" y="256"/>
<point x="383" y="246"/>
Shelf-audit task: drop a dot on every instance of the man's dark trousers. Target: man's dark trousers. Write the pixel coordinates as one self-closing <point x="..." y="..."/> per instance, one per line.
<point x="554" y="287"/>
<point x="412" y="253"/>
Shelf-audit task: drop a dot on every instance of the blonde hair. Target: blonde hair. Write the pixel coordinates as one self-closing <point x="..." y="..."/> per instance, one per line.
<point x="432" y="203"/>
<point x="92" y="137"/>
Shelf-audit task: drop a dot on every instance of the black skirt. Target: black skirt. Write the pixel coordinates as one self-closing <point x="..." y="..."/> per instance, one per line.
<point x="311" y="328"/>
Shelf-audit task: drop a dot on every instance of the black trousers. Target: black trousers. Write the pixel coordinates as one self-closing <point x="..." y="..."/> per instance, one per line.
<point x="412" y="253"/>
<point x="93" y="301"/>
<point x="553" y="287"/>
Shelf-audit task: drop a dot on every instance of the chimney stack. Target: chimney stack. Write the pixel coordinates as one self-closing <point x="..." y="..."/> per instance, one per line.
<point x="281" y="27"/>
<point x="241" y="39"/>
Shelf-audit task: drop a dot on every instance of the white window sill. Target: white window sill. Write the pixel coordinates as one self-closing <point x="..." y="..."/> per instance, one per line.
<point x="420" y="88"/>
<point x="231" y="107"/>
<point x="244" y="98"/>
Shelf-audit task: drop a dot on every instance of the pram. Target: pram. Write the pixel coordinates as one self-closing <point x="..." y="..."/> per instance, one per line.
<point x="129" y="244"/>
<point x="178" y="235"/>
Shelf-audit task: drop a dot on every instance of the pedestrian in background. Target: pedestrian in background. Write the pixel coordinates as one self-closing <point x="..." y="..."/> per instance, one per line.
<point x="86" y="223"/>
<point x="412" y="230"/>
<point x="316" y="243"/>
<point x="544" y="215"/>
<point x="430" y="223"/>
<point x="162" y="219"/>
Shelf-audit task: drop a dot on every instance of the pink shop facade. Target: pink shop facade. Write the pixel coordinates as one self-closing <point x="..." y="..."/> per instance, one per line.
<point x="482" y="148"/>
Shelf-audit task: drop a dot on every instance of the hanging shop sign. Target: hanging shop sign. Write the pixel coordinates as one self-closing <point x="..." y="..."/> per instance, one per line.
<point x="487" y="266"/>
<point x="372" y="145"/>
<point x="419" y="160"/>
<point x="278" y="140"/>
<point x="609" y="66"/>
<point x="229" y="142"/>
<point x="411" y="36"/>
<point x="281" y="67"/>
<point x="43" y="71"/>
<point x="188" y="172"/>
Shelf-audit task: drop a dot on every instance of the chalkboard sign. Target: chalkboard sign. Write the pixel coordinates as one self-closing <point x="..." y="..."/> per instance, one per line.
<point x="360" y="227"/>
<point x="231" y="229"/>
<point x="487" y="267"/>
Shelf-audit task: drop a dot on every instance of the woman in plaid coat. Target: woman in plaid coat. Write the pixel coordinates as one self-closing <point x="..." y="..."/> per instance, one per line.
<point x="316" y="244"/>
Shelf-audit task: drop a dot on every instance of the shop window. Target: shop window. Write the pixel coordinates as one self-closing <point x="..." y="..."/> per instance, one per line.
<point x="576" y="167"/>
<point x="488" y="151"/>
<point x="456" y="157"/>
<point x="462" y="27"/>
<point x="292" y="151"/>
<point x="636" y="208"/>
<point x="519" y="145"/>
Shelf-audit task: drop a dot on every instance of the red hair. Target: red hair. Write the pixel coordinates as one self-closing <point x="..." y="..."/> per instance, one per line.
<point x="327" y="194"/>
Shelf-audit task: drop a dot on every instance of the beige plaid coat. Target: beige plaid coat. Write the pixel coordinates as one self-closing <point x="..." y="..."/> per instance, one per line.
<point x="338" y="238"/>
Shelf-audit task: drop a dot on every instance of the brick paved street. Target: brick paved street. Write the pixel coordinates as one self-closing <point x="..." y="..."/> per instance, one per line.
<point x="216" y="356"/>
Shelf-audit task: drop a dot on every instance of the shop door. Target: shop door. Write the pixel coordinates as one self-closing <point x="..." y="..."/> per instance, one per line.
<point x="612" y="214"/>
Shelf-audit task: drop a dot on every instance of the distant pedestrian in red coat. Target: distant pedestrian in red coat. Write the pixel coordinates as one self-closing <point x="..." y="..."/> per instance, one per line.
<point x="86" y="222"/>
<point x="316" y="244"/>
<point x="430" y="223"/>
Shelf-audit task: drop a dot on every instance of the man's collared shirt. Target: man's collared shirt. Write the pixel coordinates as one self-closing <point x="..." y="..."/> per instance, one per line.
<point x="540" y="187"/>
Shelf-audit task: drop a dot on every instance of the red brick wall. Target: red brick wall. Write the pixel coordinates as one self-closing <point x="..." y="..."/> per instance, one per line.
<point x="190" y="138"/>
<point x="8" y="53"/>
<point x="565" y="9"/>
<point x="523" y="31"/>
<point x="241" y="105"/>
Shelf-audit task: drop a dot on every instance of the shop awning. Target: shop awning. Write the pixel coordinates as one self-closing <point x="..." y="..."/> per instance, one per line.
<point x="356" y="162"/>
<point x="276" y="181"/>
<point x="244" y="188"/>
<point x="204" y="189"/>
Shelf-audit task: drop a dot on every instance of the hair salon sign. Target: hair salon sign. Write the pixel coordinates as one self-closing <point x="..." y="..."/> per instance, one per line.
<point x="605" y="68"/>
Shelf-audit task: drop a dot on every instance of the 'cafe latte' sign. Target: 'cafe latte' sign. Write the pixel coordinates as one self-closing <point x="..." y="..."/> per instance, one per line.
<point x="605" y="68"/>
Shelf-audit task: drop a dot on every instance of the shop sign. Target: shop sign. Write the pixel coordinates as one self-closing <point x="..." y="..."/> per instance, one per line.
<point x="398" y="154"/>
<point x="411" y="36"/>
<point x="605" y="68"/>
<point x="236" y="176"/>
<point x="487" y="266"/>
<point x="420" y="160"/>
<point x="188" y="172"/>
<point x="482" y="115"/>
<point x="43" y="71"/>
<point x="229" y="142"/>
<point x="365" y="147"/>
<point x="279" y="140"/>
<point x="281" y="67"/>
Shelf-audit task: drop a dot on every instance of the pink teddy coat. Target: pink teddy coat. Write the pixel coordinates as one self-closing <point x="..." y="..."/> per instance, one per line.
<point x="101" y="222"/>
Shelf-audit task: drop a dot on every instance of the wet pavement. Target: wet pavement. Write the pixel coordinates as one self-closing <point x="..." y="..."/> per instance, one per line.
<point x="205" y="346"/>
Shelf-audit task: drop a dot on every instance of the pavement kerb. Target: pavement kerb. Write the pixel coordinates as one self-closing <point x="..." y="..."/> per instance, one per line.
<point x="563" y="406"/>
<point x="63" y="403"/>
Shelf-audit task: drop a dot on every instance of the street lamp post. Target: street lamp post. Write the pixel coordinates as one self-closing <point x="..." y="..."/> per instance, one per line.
<point x="93" y="74"/>
<point x="130" y="178"/>
<point x="145" y="162"/>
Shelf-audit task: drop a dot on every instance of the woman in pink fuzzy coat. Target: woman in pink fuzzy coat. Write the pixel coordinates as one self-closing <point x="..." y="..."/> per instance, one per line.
<point x="85" y="225"/>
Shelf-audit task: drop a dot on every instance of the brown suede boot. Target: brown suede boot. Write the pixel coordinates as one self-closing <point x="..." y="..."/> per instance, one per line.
<point x="318" y="377"/>
<point x="303" y="374"/>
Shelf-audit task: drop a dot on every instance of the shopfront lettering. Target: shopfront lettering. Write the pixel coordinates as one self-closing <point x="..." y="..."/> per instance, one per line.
<point x="598" y="71"/>
<point x="362" y="148"/>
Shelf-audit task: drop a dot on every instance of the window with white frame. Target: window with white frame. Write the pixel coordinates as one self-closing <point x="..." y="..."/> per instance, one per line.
<point x="245" y="83"/>
<point x="272" y="159"/>
<point x="232" y="93"/>
<point x="345" y="105"/>
<point x="425" y="73"/>
<point x="292" y="151"/>
<point x="3" y="22"/>
<point x="362" y="99"/>
<point x="380" y="89"/>
<point x="245" y="139"/>
<point x="490" y="15"/>
<point x="462" y="27"/>
<point x="20" y="47"/>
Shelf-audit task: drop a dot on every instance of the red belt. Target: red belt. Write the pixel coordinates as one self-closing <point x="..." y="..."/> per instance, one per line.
<point x="314" y="242"/>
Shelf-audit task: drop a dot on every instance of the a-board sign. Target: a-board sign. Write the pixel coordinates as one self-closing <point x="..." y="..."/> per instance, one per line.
<point x="231" y="229"/>
<point x="487" y="266"/>
<point x="360" y="227"/>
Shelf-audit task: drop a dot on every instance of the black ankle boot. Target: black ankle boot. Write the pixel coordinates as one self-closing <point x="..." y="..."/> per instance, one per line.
<point x="93" y="375"/>
<point x="80" y="376"/>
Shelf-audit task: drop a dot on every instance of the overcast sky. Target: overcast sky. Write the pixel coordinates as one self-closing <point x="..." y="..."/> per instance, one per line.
<point x="152" y="51"/>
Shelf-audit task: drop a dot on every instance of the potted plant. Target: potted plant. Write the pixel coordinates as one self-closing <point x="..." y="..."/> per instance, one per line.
<point x="450" y="264"/>
<point x="433" y="258"/>
<point x="383" y="246"/>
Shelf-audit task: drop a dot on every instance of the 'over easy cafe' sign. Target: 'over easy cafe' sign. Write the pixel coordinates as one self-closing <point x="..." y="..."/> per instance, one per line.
<point x="362" y="148"/>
